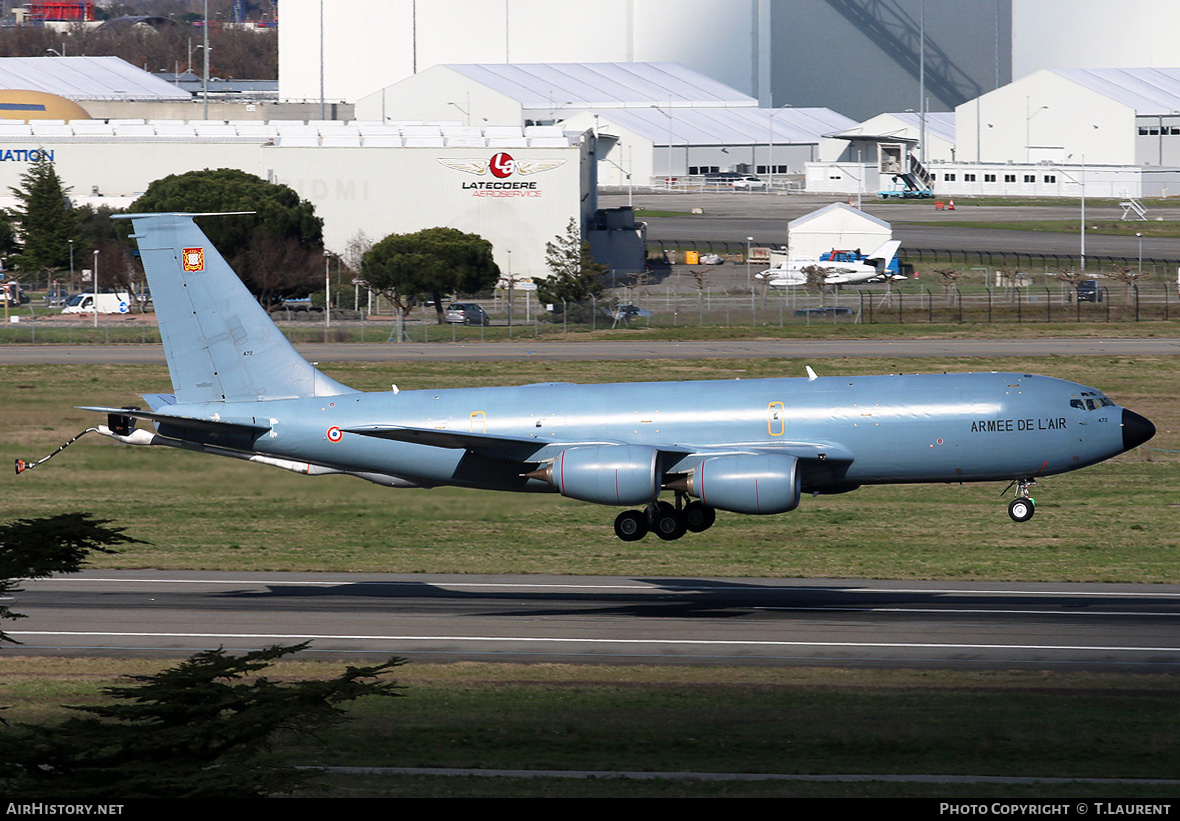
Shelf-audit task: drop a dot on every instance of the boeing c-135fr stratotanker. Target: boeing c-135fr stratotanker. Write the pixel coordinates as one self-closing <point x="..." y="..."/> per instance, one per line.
<point x="745" y="446"/>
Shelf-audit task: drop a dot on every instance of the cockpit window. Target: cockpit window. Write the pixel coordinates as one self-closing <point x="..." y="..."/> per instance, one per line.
<point x="1091" y="404"/>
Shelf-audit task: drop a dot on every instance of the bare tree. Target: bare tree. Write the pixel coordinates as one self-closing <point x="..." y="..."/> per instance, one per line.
<point x="1071" y="277"/>
<point x="950" y="281"/>
<point x="354" y="252"/>
<point x="817" y="278"/>
<point x="279" y="267"/>
<point x="700" y="281"/>
<point x="1130" y="277"/>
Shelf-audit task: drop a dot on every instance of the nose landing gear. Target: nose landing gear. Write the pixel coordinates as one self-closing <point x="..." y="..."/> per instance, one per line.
<point x="1022" y="508"/>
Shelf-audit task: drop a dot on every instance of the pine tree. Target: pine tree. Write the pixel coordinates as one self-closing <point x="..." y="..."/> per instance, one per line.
<point x="201" y="729"/>
<point x="46" y="218"/>
<point x="429" y="264"/>
<point x="574" y="276"/>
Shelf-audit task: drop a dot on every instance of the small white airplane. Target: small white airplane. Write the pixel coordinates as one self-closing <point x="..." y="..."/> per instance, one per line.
<point x="793" y="273"/>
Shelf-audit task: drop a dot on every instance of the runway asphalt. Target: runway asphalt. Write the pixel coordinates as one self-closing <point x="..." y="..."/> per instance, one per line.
<point x="608" y="620"/>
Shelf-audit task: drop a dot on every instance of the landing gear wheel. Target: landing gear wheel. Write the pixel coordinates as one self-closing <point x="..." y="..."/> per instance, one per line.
<point x="699" y="517"/>
<point x="1022" y="509"/>
<point x="669" y="524"/>
<point x="631" y="525"/>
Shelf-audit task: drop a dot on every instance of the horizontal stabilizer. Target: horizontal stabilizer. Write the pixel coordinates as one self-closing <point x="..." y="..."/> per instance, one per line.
<point x="159" y="400"/>
<point x="220" y="425"/>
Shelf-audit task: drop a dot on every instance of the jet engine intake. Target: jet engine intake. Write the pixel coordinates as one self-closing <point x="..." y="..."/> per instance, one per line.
<point x="763" y="483"/>
<point x="605" y="474"/>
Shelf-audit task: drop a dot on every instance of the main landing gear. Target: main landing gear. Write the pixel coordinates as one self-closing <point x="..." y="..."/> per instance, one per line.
<point x="666" y="520"/>
<point x="1022" y="508"/>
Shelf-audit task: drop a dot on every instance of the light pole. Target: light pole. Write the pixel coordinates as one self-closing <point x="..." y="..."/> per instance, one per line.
<point x="1028" y="115"/>
<point x="465" y="111"/>
<point x="94" y="278"/>
<point x="1083" y="248"/>
<point x="1140" y="236"/>
<point x="668" y="176"/>
<point x="1082" y="183"/>
<point x="327" y="290"/>
<point x="770" y="159"/>
<point x="205" y="81"/>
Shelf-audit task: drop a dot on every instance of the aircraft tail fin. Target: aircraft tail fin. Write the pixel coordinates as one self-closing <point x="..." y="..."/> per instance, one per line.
<point x="885" y="254"/>
<point x="220" y="344"/>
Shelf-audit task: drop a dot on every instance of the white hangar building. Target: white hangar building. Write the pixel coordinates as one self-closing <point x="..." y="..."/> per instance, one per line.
<point x="1114" y="130"/>
<point x="517" y="187"/>
<point x="1107" y="114"/>
<point x="655" y="120"/>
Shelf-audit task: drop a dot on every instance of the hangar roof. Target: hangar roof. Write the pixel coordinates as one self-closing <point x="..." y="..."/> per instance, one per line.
<point x="841" y="214"/>
<point x="1150" y="91"/>
<point x="85" y="78"/>
<point x="560" y="86"/>
<point x="939" y="125"/>
<point x="728" y="126"/>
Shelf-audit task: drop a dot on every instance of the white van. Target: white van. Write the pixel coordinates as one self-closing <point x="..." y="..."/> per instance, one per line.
<point x="86" y="302"/>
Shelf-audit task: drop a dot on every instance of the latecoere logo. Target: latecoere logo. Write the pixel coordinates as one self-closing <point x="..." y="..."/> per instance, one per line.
<point x="503" y="165"/>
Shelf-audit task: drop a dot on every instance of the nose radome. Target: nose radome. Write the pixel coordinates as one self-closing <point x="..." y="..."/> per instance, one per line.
<point x="1136" y="429"/>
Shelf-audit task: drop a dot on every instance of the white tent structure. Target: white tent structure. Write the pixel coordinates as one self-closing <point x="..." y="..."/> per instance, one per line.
<point x="658" y="119"/>
<point x="543" y="93"/>
<point x="1111" y="116"/>
<point x="86" y="79"/>
<point x="836" y="226"/>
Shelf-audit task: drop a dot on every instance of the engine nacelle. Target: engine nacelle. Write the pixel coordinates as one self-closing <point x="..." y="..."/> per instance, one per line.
<point x="764" y="483"/>
<point x="606" y="474"/>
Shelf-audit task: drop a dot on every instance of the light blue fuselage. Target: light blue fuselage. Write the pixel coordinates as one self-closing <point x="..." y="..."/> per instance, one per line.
<point x="897" y="428"/>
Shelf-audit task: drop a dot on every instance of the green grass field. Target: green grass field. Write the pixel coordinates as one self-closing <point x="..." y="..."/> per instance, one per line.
<point x="1112" y="522"/>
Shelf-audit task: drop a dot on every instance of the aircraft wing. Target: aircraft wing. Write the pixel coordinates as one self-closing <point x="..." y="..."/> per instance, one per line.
<point x="447" y="438"/>
<point x="521" y="448"/>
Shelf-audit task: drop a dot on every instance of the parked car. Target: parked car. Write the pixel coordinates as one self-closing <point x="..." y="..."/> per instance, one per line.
<point x="734" y="179"/>
<point x="748" y="182"/>
<point x="11" y="292"/>
<point x="723" y="177"/>
<point x="57" y="298"/>
<point x="826" y="310"/>
<point x="623" y="313"/>
<point x="1089" y="291"/>
<point x="467" y="313"/>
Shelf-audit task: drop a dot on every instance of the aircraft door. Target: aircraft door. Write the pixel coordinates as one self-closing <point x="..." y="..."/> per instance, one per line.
<point x="479" y="422"/>
<point x="776" y="421"/>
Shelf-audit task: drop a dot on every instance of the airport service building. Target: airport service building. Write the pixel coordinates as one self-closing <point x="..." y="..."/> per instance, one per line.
<point x="518" y="187"/>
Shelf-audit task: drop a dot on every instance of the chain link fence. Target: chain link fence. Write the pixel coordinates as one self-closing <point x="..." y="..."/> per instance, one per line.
<point x="949" y="287"/>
